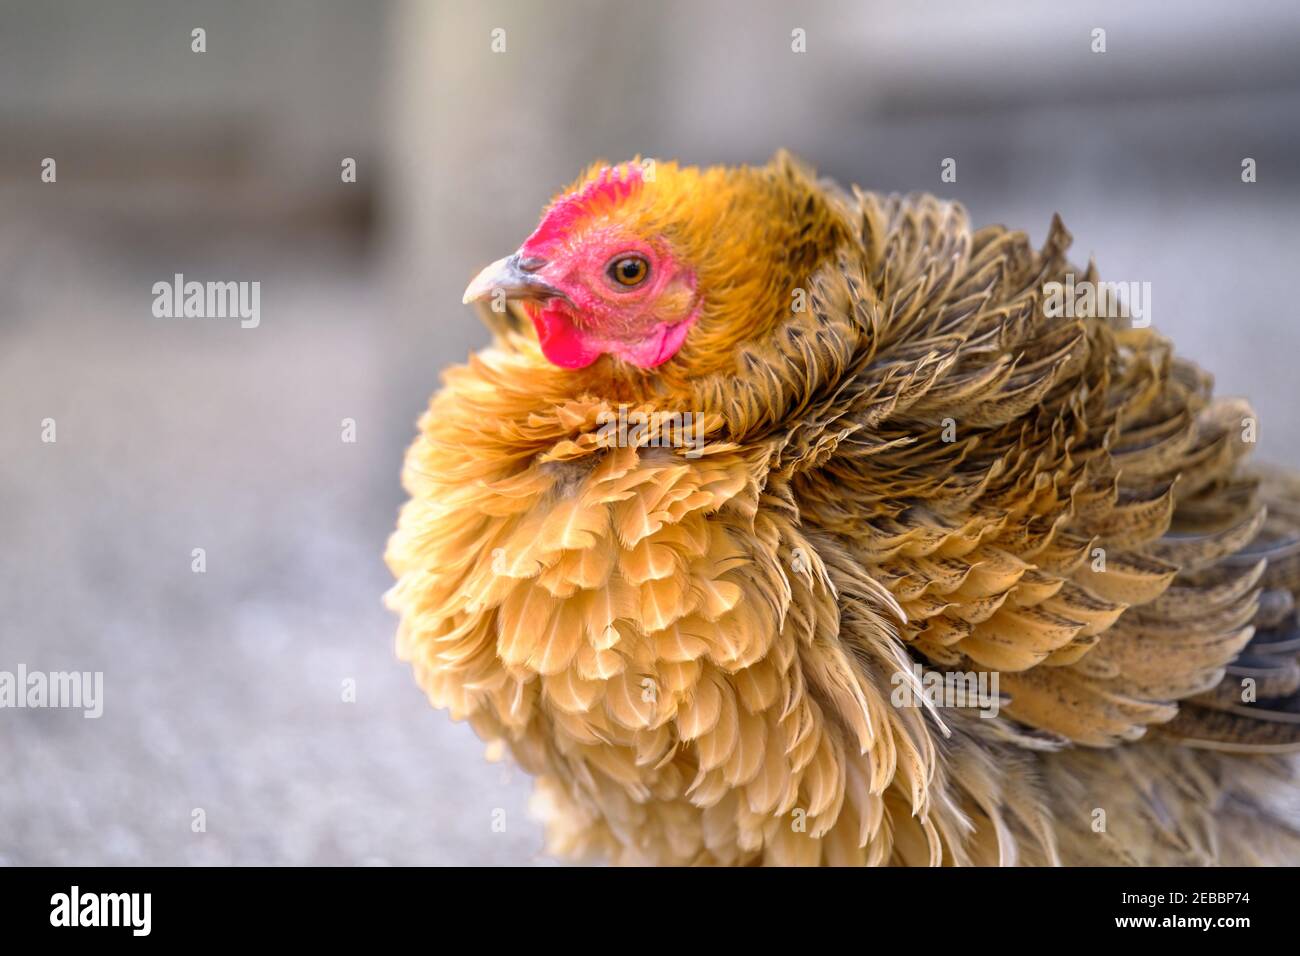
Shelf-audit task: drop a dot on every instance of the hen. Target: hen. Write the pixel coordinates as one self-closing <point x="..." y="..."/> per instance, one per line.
<point x="752" y="459"/>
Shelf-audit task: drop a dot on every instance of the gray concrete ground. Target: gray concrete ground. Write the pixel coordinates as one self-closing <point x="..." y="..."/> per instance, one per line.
<point x="223" y="690"/>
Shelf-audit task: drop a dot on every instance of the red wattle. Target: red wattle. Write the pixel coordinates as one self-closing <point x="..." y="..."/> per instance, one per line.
<point x="562" y="343"/>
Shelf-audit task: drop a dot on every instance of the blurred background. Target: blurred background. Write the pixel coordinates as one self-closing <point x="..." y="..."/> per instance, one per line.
<point x="223" y="689"/>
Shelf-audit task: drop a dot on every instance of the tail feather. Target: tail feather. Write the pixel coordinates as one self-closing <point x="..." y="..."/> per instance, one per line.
<point x="1256" y="707"/>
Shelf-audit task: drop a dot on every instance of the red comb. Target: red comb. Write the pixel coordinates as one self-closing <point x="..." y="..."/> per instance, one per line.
<point x="605" y="190"/>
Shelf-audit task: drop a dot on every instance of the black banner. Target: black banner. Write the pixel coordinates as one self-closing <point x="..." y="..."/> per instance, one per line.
<point x="366" y="905"/>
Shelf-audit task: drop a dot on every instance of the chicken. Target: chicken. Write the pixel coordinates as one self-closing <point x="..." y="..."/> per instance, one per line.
<point x="753" y="464"/>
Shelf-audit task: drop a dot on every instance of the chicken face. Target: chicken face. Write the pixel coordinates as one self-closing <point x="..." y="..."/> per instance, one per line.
<point x="665" y="272"/>
<point x="598" y="279"/>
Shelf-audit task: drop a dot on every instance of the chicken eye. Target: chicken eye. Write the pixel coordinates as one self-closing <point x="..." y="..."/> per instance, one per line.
<point x="629" y="270"/>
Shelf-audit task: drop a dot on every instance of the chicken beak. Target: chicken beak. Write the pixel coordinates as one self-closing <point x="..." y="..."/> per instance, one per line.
<point x="516" y="278"/>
